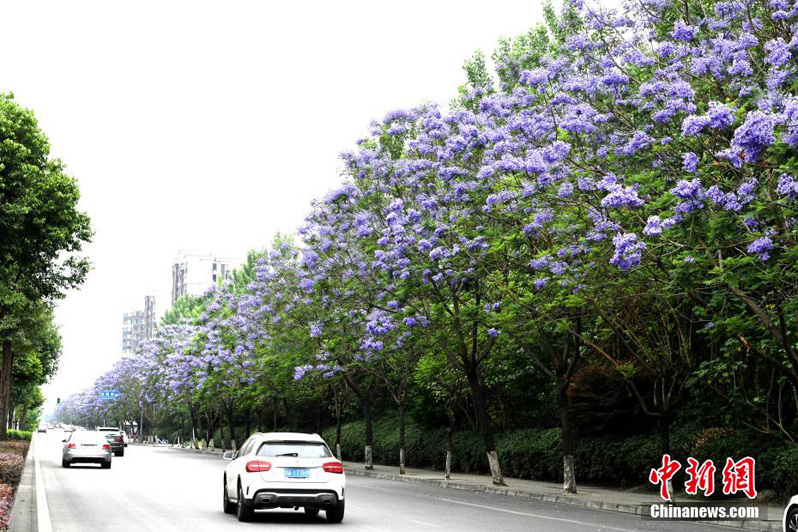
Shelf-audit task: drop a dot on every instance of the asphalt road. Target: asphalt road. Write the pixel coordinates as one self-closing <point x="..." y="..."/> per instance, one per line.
<point x="162" y="489"/>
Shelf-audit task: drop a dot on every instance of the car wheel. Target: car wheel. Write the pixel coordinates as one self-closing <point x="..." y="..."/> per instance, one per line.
<point x="243" y="511"/>
<point x="121" y="452"/>
<point x="229" y="507"/>
<point x="791" y="523"/>
<point x="312" y="511"/>
<point x="64" y="463"/>
<point x="105" y="465"/>
<point x="336" y="515"/>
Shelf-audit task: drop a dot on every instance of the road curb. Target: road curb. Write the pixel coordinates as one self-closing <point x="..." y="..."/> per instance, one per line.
<point x="23" y="511"/>
<point x="759" y="526"/>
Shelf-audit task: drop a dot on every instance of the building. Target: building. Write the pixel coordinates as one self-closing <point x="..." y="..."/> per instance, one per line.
<point x="149" y="316"/>
<point x="194" y="273"/>
<point x="132" y="330"/>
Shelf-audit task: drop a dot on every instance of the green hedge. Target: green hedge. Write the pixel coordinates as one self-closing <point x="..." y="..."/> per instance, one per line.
<point x="24" y="435"/>
<point x="613" y="461"/>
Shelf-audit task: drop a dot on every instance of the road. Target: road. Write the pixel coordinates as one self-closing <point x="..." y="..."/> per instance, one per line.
<point x="163" y="489"/>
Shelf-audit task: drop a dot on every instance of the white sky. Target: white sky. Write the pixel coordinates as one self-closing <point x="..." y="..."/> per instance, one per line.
<point x="211" y="126"/>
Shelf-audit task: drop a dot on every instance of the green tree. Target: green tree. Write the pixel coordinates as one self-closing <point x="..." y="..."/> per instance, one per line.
<point x="41" y="230"/>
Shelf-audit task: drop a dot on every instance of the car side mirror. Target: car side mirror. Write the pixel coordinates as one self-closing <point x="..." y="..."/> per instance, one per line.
<point x="229" y="455"/>
<point x="63" y="441"/>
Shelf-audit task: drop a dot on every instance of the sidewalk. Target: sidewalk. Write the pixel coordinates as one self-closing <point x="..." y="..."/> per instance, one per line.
<point x="23" y="516"/>
<point x="588" y="496"/>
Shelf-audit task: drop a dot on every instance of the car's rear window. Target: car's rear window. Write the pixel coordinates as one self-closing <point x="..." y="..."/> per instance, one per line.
<point x="298" y="449"/>
<point x="87" y="437"/>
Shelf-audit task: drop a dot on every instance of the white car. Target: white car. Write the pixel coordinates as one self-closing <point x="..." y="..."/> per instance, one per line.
<point x="284" y="470"/>
<point x="791" y="515"/>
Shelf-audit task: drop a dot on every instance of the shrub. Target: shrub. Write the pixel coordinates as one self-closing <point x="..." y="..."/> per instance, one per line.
<point x="11" y="465"/>
<point x="609" y="460"/>
<point x="25" y="435"/>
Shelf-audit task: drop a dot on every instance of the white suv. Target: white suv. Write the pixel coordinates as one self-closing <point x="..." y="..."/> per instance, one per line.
<point x="284" y="470"/>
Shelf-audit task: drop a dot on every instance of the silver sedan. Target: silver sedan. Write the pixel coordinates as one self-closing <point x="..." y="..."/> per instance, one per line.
<point x="86" y="447"/>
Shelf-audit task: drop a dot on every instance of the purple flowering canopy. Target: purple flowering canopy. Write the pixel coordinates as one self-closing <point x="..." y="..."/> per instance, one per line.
<point x="650" y="147"/>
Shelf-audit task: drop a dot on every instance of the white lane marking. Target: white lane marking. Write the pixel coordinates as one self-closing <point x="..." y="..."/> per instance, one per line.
<point x="574" y="521"/>
<point x="423" y="523"/>
<point x="42" y="511"/>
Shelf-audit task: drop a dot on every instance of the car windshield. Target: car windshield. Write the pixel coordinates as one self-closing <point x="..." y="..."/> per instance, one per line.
<point x="299" y="449"/>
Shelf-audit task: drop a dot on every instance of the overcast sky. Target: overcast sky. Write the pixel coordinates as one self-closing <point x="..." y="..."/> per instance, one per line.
<point x="211" y="126"/>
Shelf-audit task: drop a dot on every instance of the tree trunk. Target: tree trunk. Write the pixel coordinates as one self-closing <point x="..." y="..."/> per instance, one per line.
<point x="401" y="438"/>
<point x="569" y="472"/>
<point x="259" y="420"/>
<point x="449" y="447"/>
<point x="23" y="418"/>
<point x="230" y="428"/>
<point x="194" y="427"/>
<point x="289" y="418"/>
<point x="5" y="387"/>
<point x="320" y="418"/>
<point x="665" y="443"/>
<point x="366" y="406"/>
<point x="221" y="431"/>
<point x="248" y="420"/>
<point x="275" y="418"/>
<point x="665" y="433"/>
<point x="486" y="426"/>
<point x="206" y="426"/>
<point x="338" y="431"/>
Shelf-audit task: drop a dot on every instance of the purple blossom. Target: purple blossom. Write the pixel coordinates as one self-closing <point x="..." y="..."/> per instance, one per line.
<point x="692" y="125"/>
<point x="690" y="162"/>
<point x="653" y="226"/>
<point x="684" y="32"/>
<point x="778" y="52"/>
<point x="687" y="190"/>
<point x="720" y="115"/>
<point x="788" y="186"/>
<point x="300" y="371"/>
<point x="755" y="134"/>
<point x="621" y="196"/>
<point x="761" y="246"/>
<point x="628" y="251"/>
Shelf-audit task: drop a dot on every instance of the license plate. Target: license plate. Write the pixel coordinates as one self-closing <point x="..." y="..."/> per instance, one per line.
<point x="297" y="472"/>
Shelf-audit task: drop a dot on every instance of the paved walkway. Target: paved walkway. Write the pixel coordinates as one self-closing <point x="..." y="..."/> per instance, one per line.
<point x="588" y="496"/>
